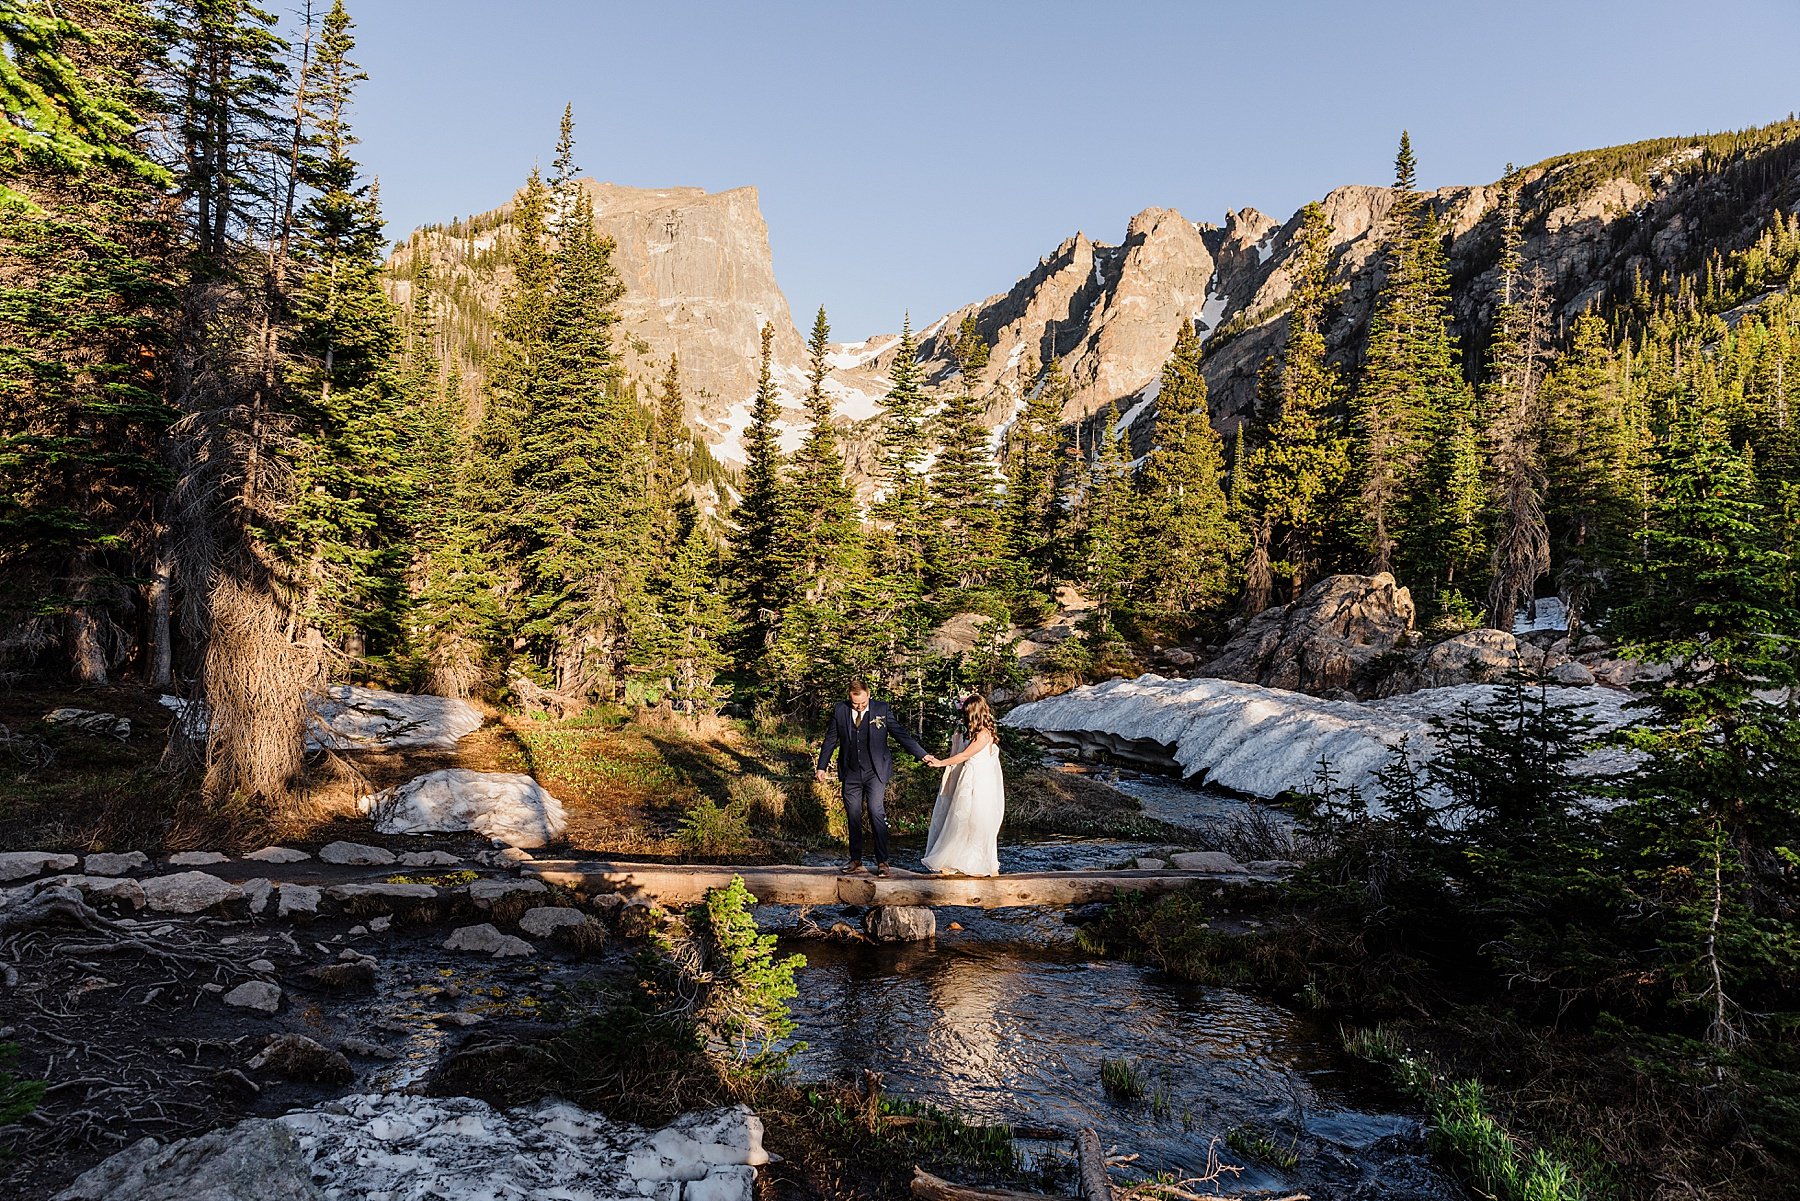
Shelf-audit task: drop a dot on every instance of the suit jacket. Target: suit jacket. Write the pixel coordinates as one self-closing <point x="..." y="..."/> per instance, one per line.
<point x="881" y="726"/>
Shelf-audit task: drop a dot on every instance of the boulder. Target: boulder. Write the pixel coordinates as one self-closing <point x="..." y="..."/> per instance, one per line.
<point x="485" y="892"/>
<point x="256" y="1160"/>
<point x="546" y="920"/>
<point x="356" y="853"/>
<point x="87" y="721"/>
<point x="298" y="1057"/>
<point x="298" y="900"/>
<point x="1475" y="657"/>
<point x="198" y="858"/>
<point x="1322" y="642"/>
<point x="22" y="865"/>
<point x="278" y="855"/>
<point x="1206" y="861"/>
<point x="1576" y="675"/>
<point x="900" y="923"/>
<point x="114" y="863"/>
<point x="486" y="940"/>
<point x="189" y="892"/>
<point x="428" y="859"/>
<point x="508" y="806"/>
<point x="259" y="995"/>
<point x="354" y="975"/>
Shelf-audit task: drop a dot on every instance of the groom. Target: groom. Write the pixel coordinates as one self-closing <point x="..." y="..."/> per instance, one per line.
<point x="859" y="734"/>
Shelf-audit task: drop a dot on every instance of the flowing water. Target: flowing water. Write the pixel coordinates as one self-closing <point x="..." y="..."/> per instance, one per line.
<point x="1005" y="1020"/>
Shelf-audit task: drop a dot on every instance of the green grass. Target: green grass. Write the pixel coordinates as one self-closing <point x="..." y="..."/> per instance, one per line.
<point x="1465" y="1133"/>
<point x="1124" y="1079"/>
<point x="1253" y="1143"/>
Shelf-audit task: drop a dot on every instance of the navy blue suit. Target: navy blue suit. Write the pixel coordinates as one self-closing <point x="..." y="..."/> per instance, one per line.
<point x="865" y="765"/>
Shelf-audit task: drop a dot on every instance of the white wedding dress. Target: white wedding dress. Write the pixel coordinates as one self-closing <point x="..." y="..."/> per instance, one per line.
<point x="965" y="823"/>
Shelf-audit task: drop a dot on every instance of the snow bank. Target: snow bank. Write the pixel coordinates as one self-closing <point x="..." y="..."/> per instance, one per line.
<point x="395" y="1146"/>
<point x="1267" y="741"/>
<point x="348" y="718"/>
<point x="504" y="805"/>
<point x="1552" y="614"/>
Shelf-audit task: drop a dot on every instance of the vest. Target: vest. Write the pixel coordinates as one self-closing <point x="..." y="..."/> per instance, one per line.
<point x="856" y="747"/>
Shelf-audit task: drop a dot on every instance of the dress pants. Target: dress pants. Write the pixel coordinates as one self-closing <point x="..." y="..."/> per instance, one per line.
<point x="862" y="790"/>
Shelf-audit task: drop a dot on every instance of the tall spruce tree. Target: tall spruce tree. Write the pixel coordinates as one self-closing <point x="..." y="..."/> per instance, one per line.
<point x="1033" y="453"/>
<point x="1294" y="482"/>
<point x="1417" y="450"/>
<point x="965" y="510"/>
<point x="1187" y="543"/>
<point x="764" y="560"/>
<point x="580" y="503"/>
<point x="1591" y="498"/>
<point x="347" y="531"/>
<point x="85" y="296"/>
<point x="1515" y="423"/>
<point x="902" y="448"/>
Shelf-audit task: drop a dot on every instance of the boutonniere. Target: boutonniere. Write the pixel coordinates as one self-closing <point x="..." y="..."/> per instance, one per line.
<point x="881" y="723"/>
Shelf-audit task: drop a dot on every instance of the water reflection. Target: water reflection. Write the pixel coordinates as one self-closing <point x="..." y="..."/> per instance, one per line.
<point x="1017" y="1034"/>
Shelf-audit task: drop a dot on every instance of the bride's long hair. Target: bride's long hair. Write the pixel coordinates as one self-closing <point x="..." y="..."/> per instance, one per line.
<point x="979" y="715"/>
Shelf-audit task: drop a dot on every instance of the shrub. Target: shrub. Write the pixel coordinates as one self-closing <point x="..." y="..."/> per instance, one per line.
<point x="17" y="1097"/>
<point x="759" y="797"/>
<point x="711" y="829"/>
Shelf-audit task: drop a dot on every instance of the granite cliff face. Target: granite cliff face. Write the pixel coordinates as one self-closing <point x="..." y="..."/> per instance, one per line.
<point x="700" y="281"/>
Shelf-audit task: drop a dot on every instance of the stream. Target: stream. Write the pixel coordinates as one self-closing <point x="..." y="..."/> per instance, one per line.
<point x="1006" y="1020"/>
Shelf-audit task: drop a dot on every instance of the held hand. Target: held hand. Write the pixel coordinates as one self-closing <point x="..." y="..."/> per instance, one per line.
<point x="823" y="776"/>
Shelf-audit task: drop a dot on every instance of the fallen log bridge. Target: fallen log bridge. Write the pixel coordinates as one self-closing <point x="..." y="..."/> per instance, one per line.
<point x="687" y="884"/>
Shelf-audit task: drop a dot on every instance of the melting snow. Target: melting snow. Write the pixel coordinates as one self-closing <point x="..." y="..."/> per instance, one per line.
<point x="1211" y="313"/>
<point x="1146" y="398"/>
<point x="855" y="354"/>
<point x="1265" y="248"/>
<point x="1265" y="742"/>
<point x="1552" y="614"/>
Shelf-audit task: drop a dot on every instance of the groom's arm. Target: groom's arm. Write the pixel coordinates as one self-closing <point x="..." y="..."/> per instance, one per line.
<point x="831" y="742"/>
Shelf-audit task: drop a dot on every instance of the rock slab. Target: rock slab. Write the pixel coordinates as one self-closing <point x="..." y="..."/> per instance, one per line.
<point x="257" y="1159"/>
<point x="510" y="807"/>
<point x="1322" y="642"/>
<point x="23" y="865"/>
<point x="356" y="854"/>
<point x="189" y="892"/>
<point x="485" y="939"/>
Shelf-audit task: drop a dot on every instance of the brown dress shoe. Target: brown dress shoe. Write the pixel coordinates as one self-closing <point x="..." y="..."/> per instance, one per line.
<point x="856" y="868"/>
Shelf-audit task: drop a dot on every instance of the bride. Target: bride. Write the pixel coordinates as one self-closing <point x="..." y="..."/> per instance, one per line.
<point x="965" y="824"/>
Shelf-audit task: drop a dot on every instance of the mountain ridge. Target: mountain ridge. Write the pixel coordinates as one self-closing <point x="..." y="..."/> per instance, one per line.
<point x="700" y="279"/>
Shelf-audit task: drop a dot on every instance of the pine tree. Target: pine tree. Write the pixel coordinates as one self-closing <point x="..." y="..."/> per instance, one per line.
<point x="901" y="451"/>
<point x="1107" y="525"/>
<point x="1515" y="420"/>
<point x="1187" y="544"/>
<point x="346" y="533"/>
<point x="671" y="506"/>
<point x="965" y="512"/>
<point x="85" y="299"/>
<point x="764" y="559"/>
<point x="1589" y="467"/>
<point x="1034" y="450"/>
<point x="824" y="510"/>
<point x="1417" y="444"/>
<point x="1294" y="482"/>
<point x="580" y="505"/>
<point x="1713" y="599"/>
<point x="686" y="645"/>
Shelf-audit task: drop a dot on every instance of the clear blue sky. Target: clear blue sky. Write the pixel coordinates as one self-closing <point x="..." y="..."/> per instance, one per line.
<point x="920" y="155"/>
